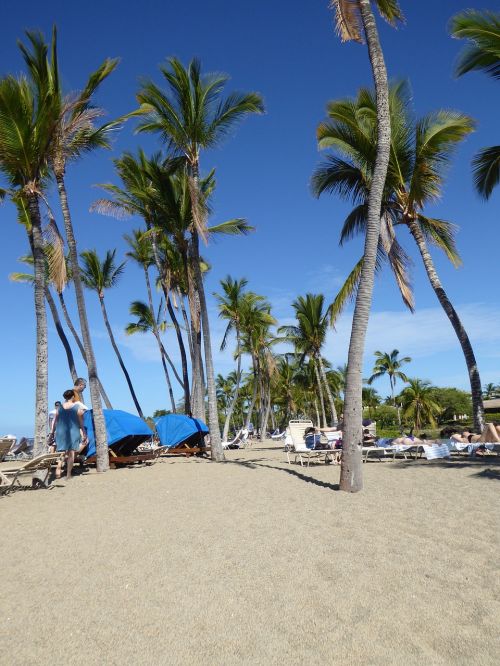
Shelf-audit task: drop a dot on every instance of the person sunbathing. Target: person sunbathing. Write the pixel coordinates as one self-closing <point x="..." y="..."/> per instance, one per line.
<point x="490" y="434"/>
<point x="407" y="440"/>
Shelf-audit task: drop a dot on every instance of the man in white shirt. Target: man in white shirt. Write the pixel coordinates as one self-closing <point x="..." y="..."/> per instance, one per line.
<point x="79" y="387"/>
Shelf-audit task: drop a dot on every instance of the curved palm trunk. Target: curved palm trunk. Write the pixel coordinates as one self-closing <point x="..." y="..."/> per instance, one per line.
<point x="351" y="474"/>
<point x="267" y="411"/>
<point x="102" y="455"/>
<point x="119" y="356"/>
<point x="62" y="335"/>
<point x="161" y="347"/>
<point x="186" y="324"/>
<point x="167" y="376"/>
<point x="42" y="360"/>
<point x="67" y="318"/>
<point x="320" y="393"/>
<point x="463" y="338"/>
<point x="230" y="411"/>
<point x="329" y="394"/>
<point x="180" y="341"/>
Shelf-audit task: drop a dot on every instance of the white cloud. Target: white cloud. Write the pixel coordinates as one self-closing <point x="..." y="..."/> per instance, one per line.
<point x="426" y="333"/>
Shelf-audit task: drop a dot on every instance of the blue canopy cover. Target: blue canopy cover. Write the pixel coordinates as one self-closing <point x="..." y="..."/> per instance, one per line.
<point x="174" y="429"/>
<point x="125" y="431"/>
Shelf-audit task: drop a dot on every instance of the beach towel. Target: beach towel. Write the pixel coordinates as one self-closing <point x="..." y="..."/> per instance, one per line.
<point x="435" y="451"/>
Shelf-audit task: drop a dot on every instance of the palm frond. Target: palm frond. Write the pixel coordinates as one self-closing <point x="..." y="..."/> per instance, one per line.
<point x="348" y="24"/>
<point x="56" y="259"/>
<point x="442" y="234"/>
<point x="482" y="30"/>
<point x="486" y="170"/>
<point x="236" y="227"/>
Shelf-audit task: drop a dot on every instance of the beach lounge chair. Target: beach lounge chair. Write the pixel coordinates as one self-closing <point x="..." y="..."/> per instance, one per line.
<point x="9" y="476"/>
<point x="298" y="448"/>
<point x="279" y="435"/>
<point x="238" y="442"/>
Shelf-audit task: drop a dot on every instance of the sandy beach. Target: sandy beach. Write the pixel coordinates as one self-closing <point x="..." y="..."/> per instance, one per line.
<point x="254" y="562"/>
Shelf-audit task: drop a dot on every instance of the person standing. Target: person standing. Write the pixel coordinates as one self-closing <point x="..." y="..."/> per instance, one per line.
<point x="68" y="431"/>
<point x="79" y="388"/>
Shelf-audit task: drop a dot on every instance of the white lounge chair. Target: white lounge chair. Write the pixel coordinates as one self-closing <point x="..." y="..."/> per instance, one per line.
<point x="295" y="444"/>
<point x="279" y="435"/>
<point x="6" y="444"/>
<point x="238" y="442"/>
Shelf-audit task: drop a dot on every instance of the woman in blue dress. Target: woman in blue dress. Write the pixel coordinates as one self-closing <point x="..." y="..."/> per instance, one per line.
<point x="69" y="431"/>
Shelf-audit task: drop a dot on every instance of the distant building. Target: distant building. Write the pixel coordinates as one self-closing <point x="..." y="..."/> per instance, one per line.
<point x="492" y="405"/>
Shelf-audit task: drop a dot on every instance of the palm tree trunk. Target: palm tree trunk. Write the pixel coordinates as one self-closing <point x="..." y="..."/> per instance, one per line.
<point x="217" y="452"/>
<point x="463" y="338"/>
<point x="119" y="357"/>
<point x="67" y="318"/>
<point x="236" y="388"/>
<point x="62" y="335"/>
<point x="263" y="430"/>
<point x="186" y="323"/>
<point x="328" y="390"/>
<point x="42" y="360"/>
<point x="102" y="455"/>
<point x="316" y="410"/>
<point x="156" y="332"/>
<point x="251" y="407"/>
<point x="180" y="341"/>
<point x="167" y="376"/>
<point x="351" y="473"/>
<point x="320" y="392"/>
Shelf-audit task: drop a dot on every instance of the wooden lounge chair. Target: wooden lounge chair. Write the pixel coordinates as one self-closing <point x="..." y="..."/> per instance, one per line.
<point x="9" y="476"/>
<point x="185" y="449"/>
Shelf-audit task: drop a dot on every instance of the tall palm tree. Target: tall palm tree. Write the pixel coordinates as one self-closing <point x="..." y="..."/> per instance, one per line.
<point x="234" y="302"/>
<point x="355" y="19"/>
<point x="309" y="338"/>
<point x="482" y="30"/>
<point x="27" y="125"/>
<point x="75" y="134"/>
<point x="98" y="276"/>
<point x="191" y="115"/>
<point x="419" y="404"/>
<point x="420" y="152"/>
<point x="371" y="400"/>
<point x="389" y="364"/>
<point x="147" y="322"/>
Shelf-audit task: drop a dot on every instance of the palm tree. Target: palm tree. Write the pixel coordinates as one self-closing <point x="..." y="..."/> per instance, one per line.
<point x="27" y="124"/>
<point x="234" y="303"/>
<point x="148" y="323"/>
<point x="491" y="391"/>
<point x="389" y="364"/>
<point x="371" y="400"/>
<point x="420" y="152"/>
<point x="309" y="337"/>
<point x="482" y="30"/>
<point x="418" y="403"/>
<point x="75" y="134"/>
<point x="192" y="115"/>
<point x="355" y="18"/>
<point x="98" y="276"/>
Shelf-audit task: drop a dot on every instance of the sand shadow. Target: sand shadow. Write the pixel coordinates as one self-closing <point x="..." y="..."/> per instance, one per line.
<point x="254" y="464"/>
<point x="487" y="466"/>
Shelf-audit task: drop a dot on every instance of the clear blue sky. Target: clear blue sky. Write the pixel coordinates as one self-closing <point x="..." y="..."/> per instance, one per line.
<point x="288" y="51"/>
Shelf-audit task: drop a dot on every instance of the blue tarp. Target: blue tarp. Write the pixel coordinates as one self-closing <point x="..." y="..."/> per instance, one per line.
<point x="174" y="429"/>
<point x="125" y="431"/>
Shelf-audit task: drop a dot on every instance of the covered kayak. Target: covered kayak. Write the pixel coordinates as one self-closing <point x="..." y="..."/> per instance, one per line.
<point x="175" y="429"/>
<point x="125" y="431"/>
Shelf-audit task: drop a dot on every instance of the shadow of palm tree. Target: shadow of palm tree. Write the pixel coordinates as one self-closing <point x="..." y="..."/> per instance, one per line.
<point x="253" y="464"/>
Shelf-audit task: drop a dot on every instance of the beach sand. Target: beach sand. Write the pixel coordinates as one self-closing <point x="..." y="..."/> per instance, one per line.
<point x="254" y="562"/>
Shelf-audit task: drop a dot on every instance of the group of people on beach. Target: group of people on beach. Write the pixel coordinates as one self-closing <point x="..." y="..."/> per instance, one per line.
<point x="490" y="435"/>
<point x="67" y="433"/>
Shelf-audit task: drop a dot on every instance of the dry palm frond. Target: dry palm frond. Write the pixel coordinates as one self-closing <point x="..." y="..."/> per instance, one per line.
<point x="54" y="251"/>
<point x="398" y="260"/>
<point x="347" y="20"/>
<point x="110" y="208"/>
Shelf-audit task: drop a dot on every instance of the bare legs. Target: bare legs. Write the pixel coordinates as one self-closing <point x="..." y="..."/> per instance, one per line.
<point x="70" y="461"/>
